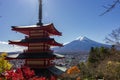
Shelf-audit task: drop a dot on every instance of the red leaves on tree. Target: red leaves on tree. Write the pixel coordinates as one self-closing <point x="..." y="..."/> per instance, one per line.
<point x="27" y="72"/>
<point x="24" y="73"/>
<point x="19" y="74"/>
<point x="13" y="75"/>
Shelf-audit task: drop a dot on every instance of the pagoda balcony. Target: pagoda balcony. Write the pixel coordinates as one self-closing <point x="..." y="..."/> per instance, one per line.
<point x="32" y="51"/>
<point x="40" y="66"/>
<point x="32" y="37"/>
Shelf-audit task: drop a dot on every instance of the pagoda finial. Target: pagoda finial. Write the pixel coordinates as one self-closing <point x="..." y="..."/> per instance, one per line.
<point x="40" y="13"/>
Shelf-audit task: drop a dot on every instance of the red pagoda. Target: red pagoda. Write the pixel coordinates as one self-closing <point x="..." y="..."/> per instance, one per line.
<point x="38" y="54"/>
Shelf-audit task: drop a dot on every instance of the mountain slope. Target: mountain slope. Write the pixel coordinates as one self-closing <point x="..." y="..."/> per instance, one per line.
<point x="81" y="44"/>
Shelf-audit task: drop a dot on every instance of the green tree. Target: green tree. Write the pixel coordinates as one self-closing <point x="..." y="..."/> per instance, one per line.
<point x="98" y="54"/>
<point x="84" y="71"/>
<point x="92" y="55"/>
<point x="96" y="57"/>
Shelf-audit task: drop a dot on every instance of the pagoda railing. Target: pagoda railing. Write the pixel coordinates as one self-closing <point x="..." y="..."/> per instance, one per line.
<point x="41" y="66"/>
<point x="31" y="37"/>
<point x="30" y="51"/>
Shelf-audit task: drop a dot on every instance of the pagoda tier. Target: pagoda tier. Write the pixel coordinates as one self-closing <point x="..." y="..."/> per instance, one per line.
<point x="49" y="28"/>
<point x="37" y="60"/>
<point x="37" y="45"/>
<point x="40" y="56"/>
<point x="36" y="42"/>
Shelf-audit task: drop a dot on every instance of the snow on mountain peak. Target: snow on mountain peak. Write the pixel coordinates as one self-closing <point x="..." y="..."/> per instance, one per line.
<point x="81" y="38"/>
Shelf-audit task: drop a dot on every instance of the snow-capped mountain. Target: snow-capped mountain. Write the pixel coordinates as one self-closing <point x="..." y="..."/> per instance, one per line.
<point x="81" y="44"/>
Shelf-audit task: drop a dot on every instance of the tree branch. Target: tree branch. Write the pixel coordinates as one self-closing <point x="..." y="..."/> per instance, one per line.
<point x="114" y="37"/>
<point x="110" y="7"/>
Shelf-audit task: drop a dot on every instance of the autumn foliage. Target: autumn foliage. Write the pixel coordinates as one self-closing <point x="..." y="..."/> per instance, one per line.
<point x="23" y="73"/>
<point x="4" y="64"/>
<point x="73" y="70"/>
<point x="78" y="78"/>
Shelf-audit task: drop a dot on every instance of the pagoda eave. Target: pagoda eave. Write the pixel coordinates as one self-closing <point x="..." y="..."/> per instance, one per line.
<point x="59" y="56"/>
<point x="25" y="43"/>
<point x="57" y="70"/>
<point x="13" y="58"/>
<point x="25" y="30"/>
<point x="18" y="43"/>
<point x="56" y="44"/>
<point x="31" y="56"/>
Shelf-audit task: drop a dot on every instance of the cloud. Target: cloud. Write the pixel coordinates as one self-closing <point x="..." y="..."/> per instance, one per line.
<point x="3" y="42"/>
<point x="6" y="47"/>
<point x="19" y="47"/>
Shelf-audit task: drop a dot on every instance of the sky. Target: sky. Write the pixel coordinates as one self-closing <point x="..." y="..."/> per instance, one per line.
<point x="73" y="18"/>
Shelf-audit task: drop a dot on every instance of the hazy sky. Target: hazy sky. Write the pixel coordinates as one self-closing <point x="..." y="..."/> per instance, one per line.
<point x="73" y="18"/>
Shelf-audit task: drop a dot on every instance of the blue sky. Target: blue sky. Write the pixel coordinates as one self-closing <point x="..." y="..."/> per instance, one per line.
<point x="73" y="18"/>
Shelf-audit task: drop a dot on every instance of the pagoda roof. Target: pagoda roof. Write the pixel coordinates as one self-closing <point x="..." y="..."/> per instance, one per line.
<point x="25" y="42"/>
<point x="59" y="56"/>
<point x="30" y="56"/>
<point x="34" y="56"/>
<point x="57" y="70"/>
<point x="48" y="27"/>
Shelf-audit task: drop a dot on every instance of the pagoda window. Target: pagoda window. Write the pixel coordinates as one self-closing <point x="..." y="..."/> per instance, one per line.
<point x="35" y="62"/>
<point x="41" y="48"/>
<point x="36" y="44"/>
<point x="38" y="33"/>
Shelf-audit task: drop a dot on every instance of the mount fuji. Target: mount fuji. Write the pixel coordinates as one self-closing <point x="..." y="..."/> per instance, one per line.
<point x="81" y="44"/>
